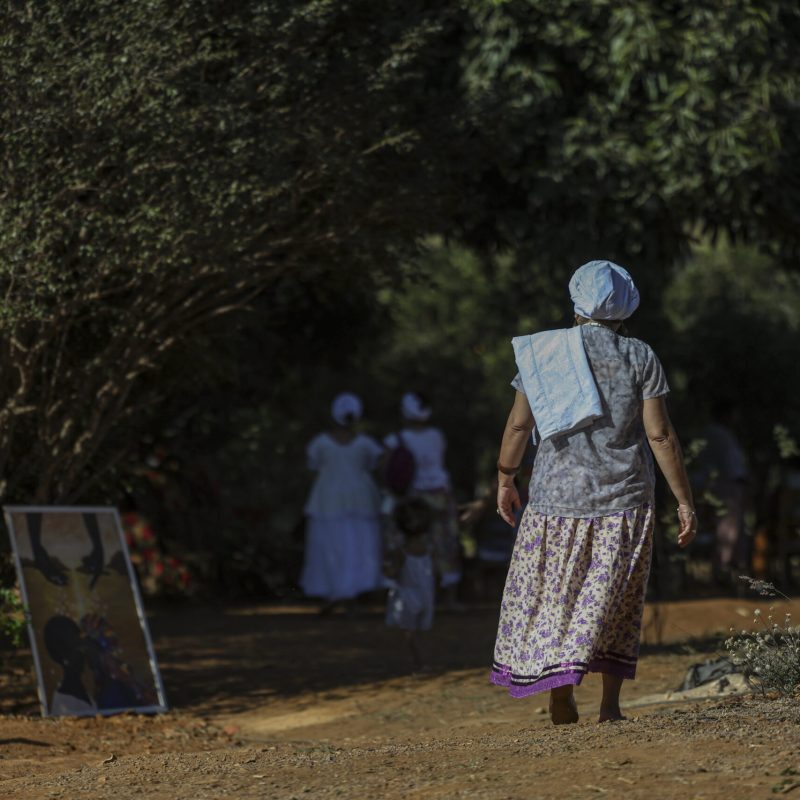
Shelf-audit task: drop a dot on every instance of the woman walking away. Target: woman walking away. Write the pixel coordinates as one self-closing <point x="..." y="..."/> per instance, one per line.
<point x="343" y="540"/>
<point x="431" y="483"/>
<point x="574" y="594"/>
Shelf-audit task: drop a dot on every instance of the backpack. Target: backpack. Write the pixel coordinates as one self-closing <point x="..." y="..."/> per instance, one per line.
<point x="400" y="467"/>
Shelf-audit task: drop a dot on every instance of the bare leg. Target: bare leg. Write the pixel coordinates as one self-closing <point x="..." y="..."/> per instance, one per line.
<point x="609" y="705"/>
<point x="563" y="708"/>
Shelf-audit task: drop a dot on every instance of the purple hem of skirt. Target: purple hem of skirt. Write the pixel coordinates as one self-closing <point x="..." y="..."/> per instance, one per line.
<point x="545" y="684"/>
<point x="562" y="678"/>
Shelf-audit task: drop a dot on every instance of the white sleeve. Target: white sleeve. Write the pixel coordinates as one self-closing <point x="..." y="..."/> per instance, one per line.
<point x="374" y="451"/>
<point x="314" y="453"/>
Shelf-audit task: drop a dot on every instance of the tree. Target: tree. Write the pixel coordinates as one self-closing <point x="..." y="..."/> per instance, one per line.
<point x="164" y="164"/>
<point x="617" y="128"/>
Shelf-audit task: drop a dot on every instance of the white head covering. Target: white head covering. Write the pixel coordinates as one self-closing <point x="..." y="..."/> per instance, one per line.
<point x="603" y="290"/>
<point x="346" y="405"/>
<point x="413" y="408"/>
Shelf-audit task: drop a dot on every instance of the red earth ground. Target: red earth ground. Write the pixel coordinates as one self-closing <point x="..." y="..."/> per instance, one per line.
<point x="276" y="702"/>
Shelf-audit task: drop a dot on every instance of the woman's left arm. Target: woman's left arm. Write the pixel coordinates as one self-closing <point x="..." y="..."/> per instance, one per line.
<point x="515" y="439"/>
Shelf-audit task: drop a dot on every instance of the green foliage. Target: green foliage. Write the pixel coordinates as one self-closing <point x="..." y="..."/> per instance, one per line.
<point x="164" y="163"/>
<point x="389" y="191"/>
<point x="787" y="445"/>
<point x="734" y="322"/>
<point x="615" y="128"/>
<point x="12" y="616"/>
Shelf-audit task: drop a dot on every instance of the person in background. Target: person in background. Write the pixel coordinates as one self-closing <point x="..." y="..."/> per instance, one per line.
<point x="343" y="538"/>
<point x="431" y="483"/>
<point x="722" y="474"/>
<point x="574" y="594"/>
<point x="409" y="573"/>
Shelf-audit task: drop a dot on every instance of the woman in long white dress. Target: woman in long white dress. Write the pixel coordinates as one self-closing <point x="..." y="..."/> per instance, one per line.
<point x="343" y="538"/>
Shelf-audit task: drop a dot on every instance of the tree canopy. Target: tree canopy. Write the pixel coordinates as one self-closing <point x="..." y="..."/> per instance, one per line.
<point x="215" y="215"/>
<point x="164" y="163"/>
<point x="622" y="127"/>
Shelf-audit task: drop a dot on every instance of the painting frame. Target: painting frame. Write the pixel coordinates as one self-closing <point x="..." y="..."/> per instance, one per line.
<point x="12" y="512"/>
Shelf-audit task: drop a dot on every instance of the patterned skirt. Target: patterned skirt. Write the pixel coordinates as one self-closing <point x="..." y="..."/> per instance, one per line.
<point x="573" y="600"/>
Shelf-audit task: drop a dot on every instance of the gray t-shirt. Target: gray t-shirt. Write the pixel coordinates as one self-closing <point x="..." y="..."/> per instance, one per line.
<point x="607" y="466"/>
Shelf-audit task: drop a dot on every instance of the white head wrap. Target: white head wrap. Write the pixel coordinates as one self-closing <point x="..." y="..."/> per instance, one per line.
<point x="346" y="405"/>
<point x="413" y="408"/>
<point x="603" y="290"/>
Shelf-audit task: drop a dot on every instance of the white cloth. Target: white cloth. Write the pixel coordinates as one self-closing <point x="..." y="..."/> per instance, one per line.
<point x="346" y="405"/>
<point x="558" y="381"/>
<point x="344" y="484"/>
<point x="603" y="290"/>
<point x="413" y="409"/>
<point x="342" y="557"/>
<point x="428" y="447"/>
<point x="411" y="600"/>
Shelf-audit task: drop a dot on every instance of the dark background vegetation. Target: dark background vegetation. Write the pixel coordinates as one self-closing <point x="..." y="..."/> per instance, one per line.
<point x="216" y="215"/>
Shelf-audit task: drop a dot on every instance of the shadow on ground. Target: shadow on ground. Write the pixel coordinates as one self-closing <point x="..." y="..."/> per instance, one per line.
<point x="229" y="659"/>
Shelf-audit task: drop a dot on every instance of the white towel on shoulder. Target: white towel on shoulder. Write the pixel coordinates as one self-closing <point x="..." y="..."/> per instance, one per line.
<point x="558" y="381"/>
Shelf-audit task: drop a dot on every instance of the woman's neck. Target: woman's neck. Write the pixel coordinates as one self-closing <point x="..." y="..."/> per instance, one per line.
<point x="416" y="425"/>
<point x="613" y="324"/>
<point x="343" y="435"/>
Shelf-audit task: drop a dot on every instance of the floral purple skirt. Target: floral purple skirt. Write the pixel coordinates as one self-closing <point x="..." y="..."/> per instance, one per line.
<point x="573" y="600"/>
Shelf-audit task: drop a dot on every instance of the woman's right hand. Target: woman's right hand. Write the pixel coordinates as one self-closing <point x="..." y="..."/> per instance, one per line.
<point x="687" y="521"/>
<point x="508" y="503"/>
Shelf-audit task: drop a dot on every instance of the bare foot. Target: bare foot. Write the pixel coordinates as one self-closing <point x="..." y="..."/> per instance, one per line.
<point x="611" y="715"/>
<point x="563" y="709"/>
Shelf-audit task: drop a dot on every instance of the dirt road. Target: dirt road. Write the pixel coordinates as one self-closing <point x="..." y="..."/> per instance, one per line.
<point x="279" y="703"/>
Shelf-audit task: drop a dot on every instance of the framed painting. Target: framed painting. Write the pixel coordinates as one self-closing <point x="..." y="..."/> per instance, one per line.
<point x="88" y="631"/>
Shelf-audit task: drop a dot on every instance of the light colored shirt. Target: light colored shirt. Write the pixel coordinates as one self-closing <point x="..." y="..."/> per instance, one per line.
<point x="344" y="485"/>
<point x="428" y="447"/>
<point x="607" y="466"/>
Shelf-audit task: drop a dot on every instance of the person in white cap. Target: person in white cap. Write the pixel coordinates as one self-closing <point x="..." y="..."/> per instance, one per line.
<point x="431" y="482"/>
<point x="343" y="537"/>
<point x="574" y="594"/>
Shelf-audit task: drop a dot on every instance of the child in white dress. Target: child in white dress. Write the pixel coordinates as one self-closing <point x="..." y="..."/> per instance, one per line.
<point x="411" y="576"/>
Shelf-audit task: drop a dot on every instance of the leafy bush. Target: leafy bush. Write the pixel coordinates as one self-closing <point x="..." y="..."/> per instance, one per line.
<point x="12" y="615"/>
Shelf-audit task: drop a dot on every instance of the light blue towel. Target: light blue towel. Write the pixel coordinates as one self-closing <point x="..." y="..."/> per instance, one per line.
<point x="558" y="381"/>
